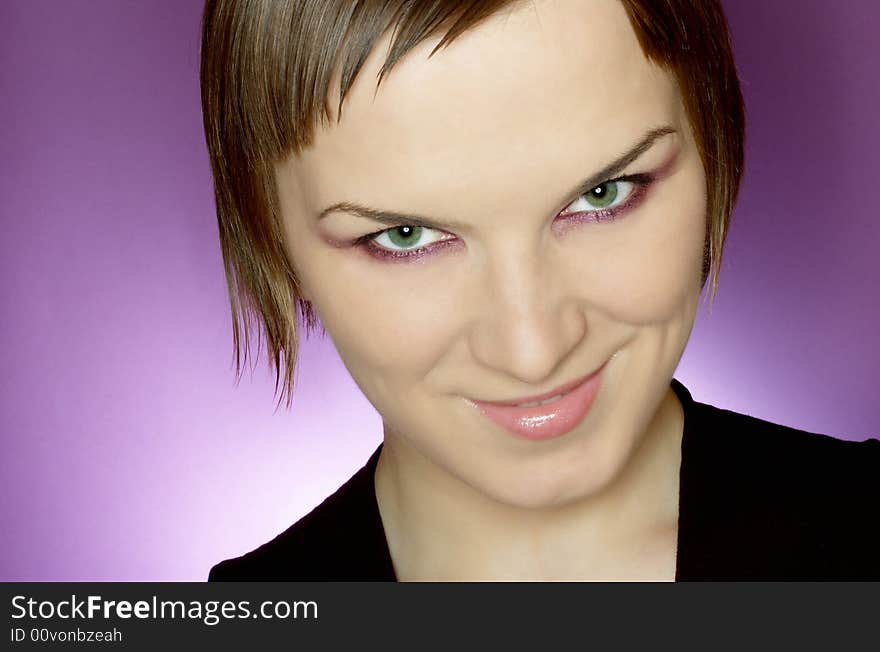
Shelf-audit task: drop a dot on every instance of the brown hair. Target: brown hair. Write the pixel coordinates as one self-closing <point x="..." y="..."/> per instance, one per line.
<point x="266" y="70"/>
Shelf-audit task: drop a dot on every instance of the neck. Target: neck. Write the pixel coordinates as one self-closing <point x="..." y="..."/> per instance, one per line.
<point x="440" y="528"/>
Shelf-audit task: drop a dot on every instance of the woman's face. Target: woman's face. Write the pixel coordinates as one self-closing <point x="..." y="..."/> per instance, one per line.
<point x="523" y="286"/>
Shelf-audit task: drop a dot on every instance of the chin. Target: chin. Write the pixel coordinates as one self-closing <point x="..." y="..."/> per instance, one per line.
<point x="545" y="498"/>
<point x="558" y="489"/>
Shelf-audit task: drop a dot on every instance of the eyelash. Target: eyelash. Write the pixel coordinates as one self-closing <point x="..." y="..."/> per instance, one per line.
<point x="641" y="183"/>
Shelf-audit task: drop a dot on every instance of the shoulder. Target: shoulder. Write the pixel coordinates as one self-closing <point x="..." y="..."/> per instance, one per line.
<point x="774" y="450"/>
<point x="340" y="539"/>
<point x="781" y="502"/>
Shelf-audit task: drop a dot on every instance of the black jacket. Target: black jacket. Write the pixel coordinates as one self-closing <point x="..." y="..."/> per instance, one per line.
<point x="758" y="501"/>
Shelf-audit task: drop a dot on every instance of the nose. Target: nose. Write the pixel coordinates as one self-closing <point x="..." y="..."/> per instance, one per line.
<point x="528" y="321"/>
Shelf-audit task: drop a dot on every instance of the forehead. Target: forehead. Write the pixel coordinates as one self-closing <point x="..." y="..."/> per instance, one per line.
<point x="533" y="90"/>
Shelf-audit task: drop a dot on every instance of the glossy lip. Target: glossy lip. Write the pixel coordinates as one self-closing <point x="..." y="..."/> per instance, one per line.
<point x="545" y="421"/>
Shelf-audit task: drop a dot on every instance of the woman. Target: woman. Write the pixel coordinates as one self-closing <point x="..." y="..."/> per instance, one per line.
<point x="507" y="237"/>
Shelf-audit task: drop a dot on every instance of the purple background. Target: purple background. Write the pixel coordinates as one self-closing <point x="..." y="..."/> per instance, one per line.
<point x="127" y="453"/>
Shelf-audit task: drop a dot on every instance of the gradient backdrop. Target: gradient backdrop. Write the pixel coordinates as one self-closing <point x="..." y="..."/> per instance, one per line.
<point x="127" y="453"/>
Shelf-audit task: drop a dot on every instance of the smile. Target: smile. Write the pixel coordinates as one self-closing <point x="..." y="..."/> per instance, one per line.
<point x="549" y="415"/>
<point x="534" y="403"/>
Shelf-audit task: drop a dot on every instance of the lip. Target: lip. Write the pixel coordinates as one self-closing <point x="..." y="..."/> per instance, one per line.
<point x="550" y="420"/>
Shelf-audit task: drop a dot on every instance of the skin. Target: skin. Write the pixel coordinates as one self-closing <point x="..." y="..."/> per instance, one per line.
<point x="492" y="133"/>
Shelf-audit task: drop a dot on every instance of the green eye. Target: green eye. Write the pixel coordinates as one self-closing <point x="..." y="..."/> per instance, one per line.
<point x="405" y="236"/>
<point x="602" y="195"/>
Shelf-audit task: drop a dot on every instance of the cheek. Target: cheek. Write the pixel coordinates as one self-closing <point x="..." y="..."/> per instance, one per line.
<point x="648" y="269"/>
<point x="385" y="332"/>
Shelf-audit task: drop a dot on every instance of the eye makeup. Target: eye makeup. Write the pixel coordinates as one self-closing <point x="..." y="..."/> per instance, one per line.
<point x="368" y="244"/>
<point x="639" y="186"/>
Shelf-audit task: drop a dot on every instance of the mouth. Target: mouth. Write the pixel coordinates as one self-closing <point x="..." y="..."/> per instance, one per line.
<point x="552" y="399"/>
<point x="546" y="415"/>
<point x="546" y="397"/>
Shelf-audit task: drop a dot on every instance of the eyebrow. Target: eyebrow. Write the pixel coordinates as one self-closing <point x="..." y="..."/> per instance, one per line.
<point x="409" y="219"/>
